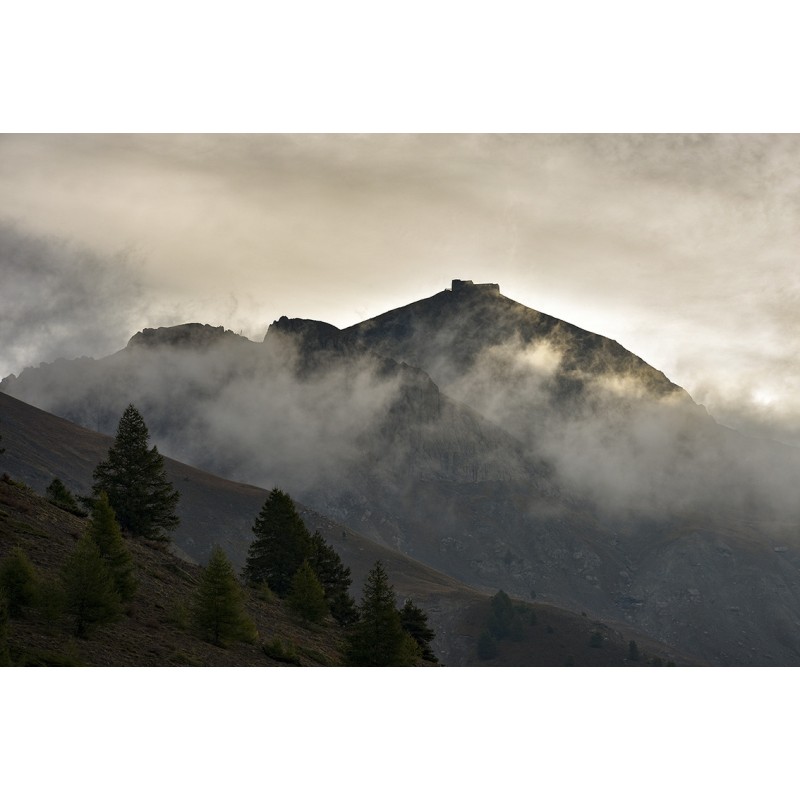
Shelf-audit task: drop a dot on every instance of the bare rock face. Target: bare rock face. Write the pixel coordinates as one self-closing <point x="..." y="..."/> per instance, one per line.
<point x="308" y="333"/>
<point x="190" y="334"/>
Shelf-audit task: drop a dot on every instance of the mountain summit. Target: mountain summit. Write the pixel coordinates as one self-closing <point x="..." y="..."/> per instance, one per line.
<point x="446" y="334"/>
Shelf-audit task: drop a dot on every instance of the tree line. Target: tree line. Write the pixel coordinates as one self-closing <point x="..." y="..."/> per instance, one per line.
<point x="132" y="493"/>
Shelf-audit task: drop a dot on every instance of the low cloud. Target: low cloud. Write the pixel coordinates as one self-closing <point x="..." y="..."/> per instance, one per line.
<point x="60" y="300"/>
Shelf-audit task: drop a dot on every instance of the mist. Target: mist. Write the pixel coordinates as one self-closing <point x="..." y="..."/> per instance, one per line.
<point x="681" y="247"/>
<point x="62" y="300"/>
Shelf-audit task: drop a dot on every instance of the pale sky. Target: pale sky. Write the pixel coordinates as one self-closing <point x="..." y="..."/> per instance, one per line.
<point x="685" y="249"/>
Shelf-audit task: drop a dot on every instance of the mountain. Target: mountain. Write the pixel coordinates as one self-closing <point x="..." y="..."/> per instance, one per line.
<point x="40" y="446"/>
<point x="498" y="445"/>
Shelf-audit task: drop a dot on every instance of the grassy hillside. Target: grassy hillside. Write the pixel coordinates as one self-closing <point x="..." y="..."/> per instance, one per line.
<point x="155" y="631"/>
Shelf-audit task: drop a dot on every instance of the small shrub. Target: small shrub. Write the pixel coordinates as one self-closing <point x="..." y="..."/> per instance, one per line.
<point x="276" y="650"/>
<point x="51" y="602"/>
<point x="181" y="659"/>
<point x="179" y="615"/>
<point x="633" y="650"/>
<point x="596" y="639"/>
<point x="18" y="581"/>
<point x="62" y="498"/>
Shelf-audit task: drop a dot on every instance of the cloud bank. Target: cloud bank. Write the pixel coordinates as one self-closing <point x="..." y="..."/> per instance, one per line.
<point x="683" y="248"/>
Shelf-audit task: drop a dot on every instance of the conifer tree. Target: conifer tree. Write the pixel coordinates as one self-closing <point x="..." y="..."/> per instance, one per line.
<point x="335" y="579"/>
<point x="218" y="611"/>
<point x="105" y="531"/>
<point x="378" y="638"/>
<point x="17" y="581"/>
<point x="89" y="592"/>
<point x="415" y="623"/>
<point x="60" y="496"/>
<point x="280" y="545"/>
<point x="307" y="597"/>
<point x="135" y="480"/>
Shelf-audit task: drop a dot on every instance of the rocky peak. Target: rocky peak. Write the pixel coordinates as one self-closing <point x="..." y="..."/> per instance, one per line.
<point x="190" y="334"/>
<point x="310" y="333"/>
<point x="463" y="287"/>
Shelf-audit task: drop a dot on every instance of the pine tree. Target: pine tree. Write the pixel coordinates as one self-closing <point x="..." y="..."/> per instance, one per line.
<point x="378" y="638"/>
<point x="60" y="496"/>
<point x="280" y="545"/>
<point x="135" y="480"/>
<point x="335" y="579"/>
<point x="89" y="591"/>
<point x="218" y="610"/>
<point x="18" y="581"/>
<point x="415" y="623"/>
<point x="105" y="531"/>
<point x="307" y="597"/>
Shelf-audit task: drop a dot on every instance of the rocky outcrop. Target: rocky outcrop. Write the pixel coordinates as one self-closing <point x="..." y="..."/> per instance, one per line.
<point x="190" y="334"/>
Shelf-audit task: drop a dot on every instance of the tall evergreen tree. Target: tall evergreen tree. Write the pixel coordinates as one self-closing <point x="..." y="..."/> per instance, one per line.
<point x="280" y="545"/>
<point x="218" y="610"/>
<point x="89" y="592"/>
<point x="415" y="623"/>
<point x="17" y="581"/>
<point x="335" y="579"/>
<point x="307" y="597"/>
<point x="105" y="531"/>
<point x="378" y="638"/>
<point x="135" y="480"/>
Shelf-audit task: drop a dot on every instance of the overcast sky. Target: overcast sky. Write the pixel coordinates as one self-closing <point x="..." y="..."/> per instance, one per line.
<point x="684" y="249"/>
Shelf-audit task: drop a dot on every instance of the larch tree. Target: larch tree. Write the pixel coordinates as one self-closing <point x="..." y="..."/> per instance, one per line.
<point x="105" y="531"/>
<point x="378" y="638"/>
<point x="89" y="591"/>
<point x="307" y="597"/>
<point x="280" y="545"/>
<point x="135" y="479"/>
<point x="218" y="612"/>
